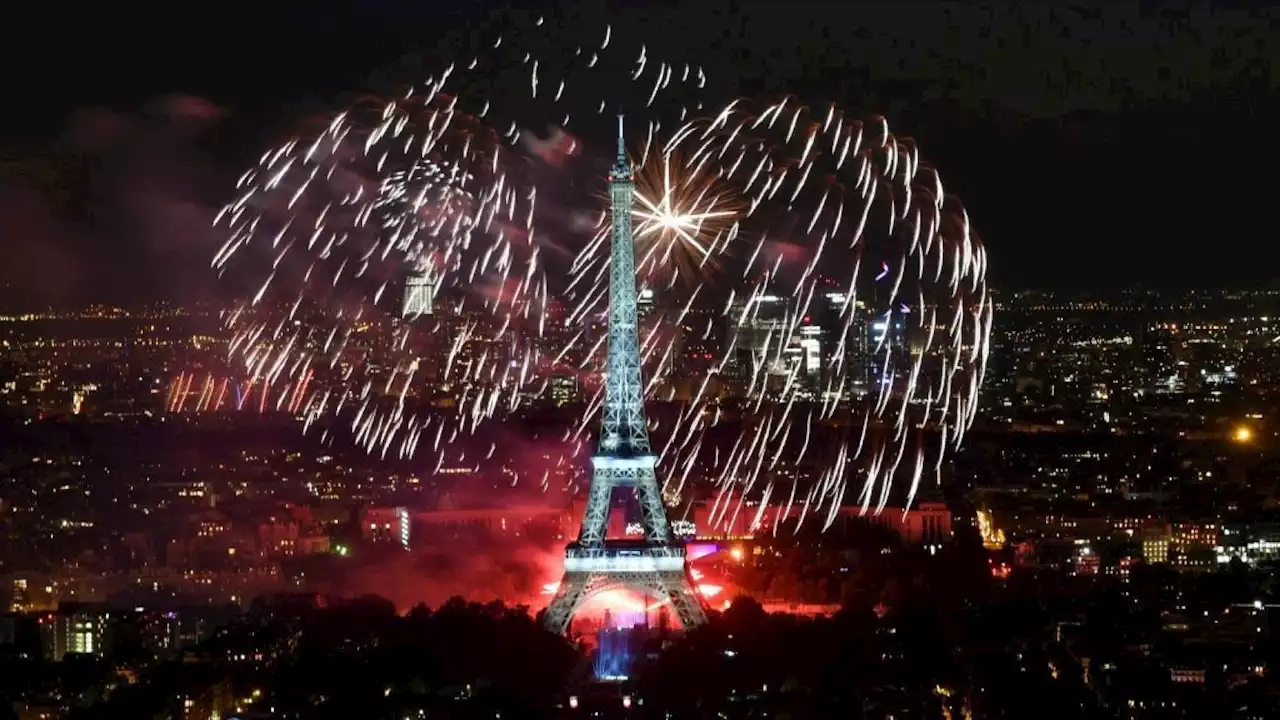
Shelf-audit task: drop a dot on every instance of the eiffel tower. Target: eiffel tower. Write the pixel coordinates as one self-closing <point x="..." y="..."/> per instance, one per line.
<point x="655" y="566"/>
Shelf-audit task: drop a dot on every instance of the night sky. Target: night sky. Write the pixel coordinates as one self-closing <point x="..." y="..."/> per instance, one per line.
<point x="1124" y="146"/>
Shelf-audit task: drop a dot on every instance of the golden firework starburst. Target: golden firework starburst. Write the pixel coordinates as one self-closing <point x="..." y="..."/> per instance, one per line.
<point x="685" y="217"/>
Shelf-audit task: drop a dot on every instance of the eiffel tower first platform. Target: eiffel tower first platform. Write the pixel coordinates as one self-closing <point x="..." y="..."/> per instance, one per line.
<point x="654" y="566"/>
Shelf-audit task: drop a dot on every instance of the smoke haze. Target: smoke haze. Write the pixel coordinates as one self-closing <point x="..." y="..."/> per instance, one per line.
<point x="120" y="203"/>
<point x="512" y="571"/>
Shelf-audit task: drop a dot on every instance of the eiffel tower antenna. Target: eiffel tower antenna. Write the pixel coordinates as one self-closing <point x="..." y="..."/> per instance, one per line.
<point x="622" y="144"/>
<point x="656" y="565"/>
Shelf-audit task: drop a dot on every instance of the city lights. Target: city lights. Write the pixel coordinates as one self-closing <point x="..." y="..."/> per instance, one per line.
<point x="1242" y="434"/>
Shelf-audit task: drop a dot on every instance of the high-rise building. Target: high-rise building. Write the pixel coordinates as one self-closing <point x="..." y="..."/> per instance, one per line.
<point x="768" y="339"/>
<point x="869" y="340"/>
<point x="644" y="302"/>
<point x="888" y="330"/>
<point x="76" y="629"/>
<point x="419" y="294"/>
<point x="757" y="327"/>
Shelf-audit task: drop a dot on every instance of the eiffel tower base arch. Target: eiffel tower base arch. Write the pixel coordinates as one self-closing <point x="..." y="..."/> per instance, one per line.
<point x="576" y="588"/>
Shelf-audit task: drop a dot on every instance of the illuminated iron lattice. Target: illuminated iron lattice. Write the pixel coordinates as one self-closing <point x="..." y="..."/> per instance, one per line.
<point x="655" y="566"/>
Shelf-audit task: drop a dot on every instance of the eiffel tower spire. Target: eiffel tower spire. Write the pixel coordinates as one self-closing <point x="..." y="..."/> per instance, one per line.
<point x="624" y="457"/>
<point x="624" y="432"/>
<point x="621" y="168"/>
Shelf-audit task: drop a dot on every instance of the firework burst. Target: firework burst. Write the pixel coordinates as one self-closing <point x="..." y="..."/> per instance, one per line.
<point x="840" y="284"/>
<point x="683" y="223"/>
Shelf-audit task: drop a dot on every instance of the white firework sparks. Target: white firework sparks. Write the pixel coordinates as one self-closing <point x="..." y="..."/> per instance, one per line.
<point x="835" y="217"/>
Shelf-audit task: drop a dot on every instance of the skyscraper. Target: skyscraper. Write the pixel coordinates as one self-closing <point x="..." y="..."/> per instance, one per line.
<point x="418" y="294"/>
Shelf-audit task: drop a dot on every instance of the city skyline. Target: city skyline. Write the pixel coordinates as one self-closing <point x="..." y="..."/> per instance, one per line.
<point x="1124" y="448"/>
